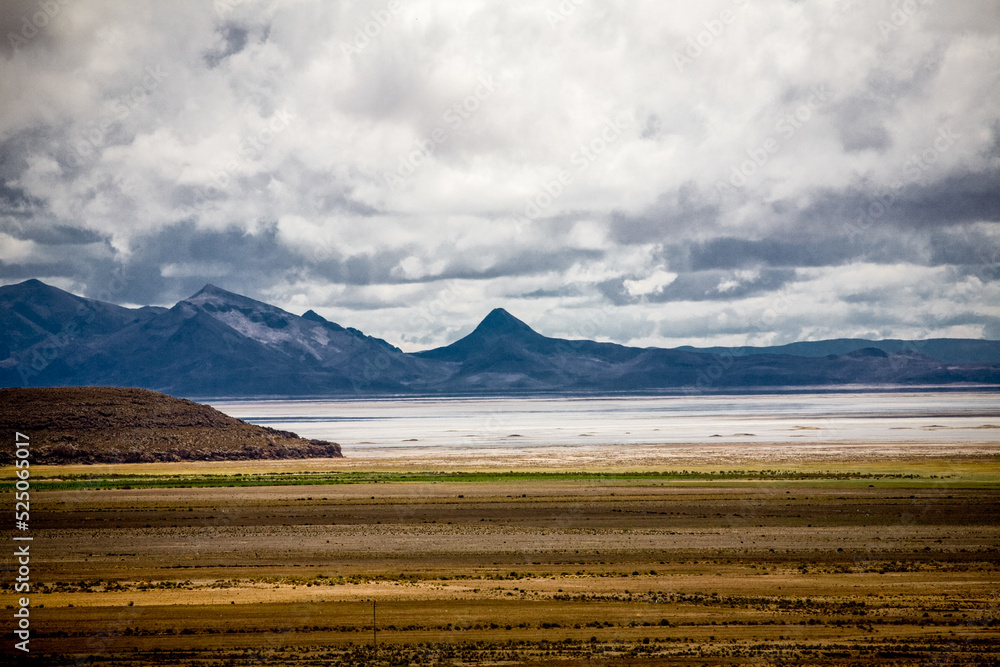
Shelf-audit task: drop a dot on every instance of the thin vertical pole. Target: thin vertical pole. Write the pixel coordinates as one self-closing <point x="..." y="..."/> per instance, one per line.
<point x="374" y="628"/>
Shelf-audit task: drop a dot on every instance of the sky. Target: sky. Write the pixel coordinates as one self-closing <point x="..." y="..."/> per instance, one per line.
<point x="648" y="172"/>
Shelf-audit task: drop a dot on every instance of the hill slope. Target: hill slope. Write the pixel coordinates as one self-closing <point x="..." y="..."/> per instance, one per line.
<point x="124" y="425"/>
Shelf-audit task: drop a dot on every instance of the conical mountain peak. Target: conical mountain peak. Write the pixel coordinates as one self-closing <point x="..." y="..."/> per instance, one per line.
<point x="211" y="290"/>
<point x="211" y="297"/>
<point x="499" y="321"/>
<point x="34" y="287"/>
<point x="313" y="316"/>
<point x="497" y="328"/>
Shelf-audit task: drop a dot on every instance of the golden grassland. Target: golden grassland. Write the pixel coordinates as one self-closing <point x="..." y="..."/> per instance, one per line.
<point x="978" y="465"/>
<point x="874" y="561"/>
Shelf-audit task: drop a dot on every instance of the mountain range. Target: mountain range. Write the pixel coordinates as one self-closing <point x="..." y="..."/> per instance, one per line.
<point x="217" y="343"/>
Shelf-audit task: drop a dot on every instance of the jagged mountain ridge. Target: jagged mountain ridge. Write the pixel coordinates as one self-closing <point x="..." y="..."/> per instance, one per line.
<point x="219" y="343"/>
<point x="214" y="343"/>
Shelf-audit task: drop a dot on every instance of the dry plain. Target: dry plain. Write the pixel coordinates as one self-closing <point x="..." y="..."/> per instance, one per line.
<point x="831" y="559"/>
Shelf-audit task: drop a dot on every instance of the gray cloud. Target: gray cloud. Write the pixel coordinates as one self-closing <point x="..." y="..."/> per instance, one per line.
<point x="250" y="147"/>
<point x="234" y="40"/>
<point x="860" y="124"/>
<point x="728" y="252"/>
<point x="681" y="212"/>
<point x="177" y="261"/>
<point x="967" y="245"/>
<point x="60" y="235"/>
<point x="709" y="285"/>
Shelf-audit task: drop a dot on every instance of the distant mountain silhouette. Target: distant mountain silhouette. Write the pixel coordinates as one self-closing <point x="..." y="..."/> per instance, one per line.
<point x="505" y="354"/>
<point x="32" y="312"/>
<point x="952" y="350"/>
<point x="218" y="343"/>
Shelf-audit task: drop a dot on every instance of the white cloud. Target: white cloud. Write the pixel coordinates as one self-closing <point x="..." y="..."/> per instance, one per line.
<point x="652" y="284"/>
<point x="738" y="278"/>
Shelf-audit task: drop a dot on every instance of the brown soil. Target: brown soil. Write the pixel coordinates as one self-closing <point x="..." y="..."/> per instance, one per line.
<point x="510" y="573"/>
<point x="126" y="425"/>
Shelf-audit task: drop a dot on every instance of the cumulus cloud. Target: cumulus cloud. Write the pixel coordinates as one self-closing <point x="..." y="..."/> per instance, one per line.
<point x="652" y="284"/>
<point x="649" y="172"/>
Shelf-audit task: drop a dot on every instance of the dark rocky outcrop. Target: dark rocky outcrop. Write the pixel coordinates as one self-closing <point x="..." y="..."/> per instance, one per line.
<point x="128" y="425"/>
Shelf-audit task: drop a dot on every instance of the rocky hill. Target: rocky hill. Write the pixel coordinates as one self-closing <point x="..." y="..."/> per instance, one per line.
<point x="125" y="425"/>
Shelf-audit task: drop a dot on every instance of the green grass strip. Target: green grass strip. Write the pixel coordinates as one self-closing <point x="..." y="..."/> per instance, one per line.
<point x="99" y="481"/>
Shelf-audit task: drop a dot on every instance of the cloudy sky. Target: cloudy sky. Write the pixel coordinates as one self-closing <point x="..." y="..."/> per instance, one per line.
<point x="651" y="172"/>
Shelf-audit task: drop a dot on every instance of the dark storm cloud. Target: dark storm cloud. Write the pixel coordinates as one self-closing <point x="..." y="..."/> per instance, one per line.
<point x="234" y="40"/>
<point x="91" y="270"/>
<point x="967" y="245"/>
<point x="681" y="212"/>
<point x="56" y="235"/>
<point x="728" y="252"/>
<point x="16" y="203"/>
<point x="360" y="269"/>
<point x="14" y="271"/>
<point x="954" y="199"/>
<point x="832" y="247"/>
<point x="178" y="260"/>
